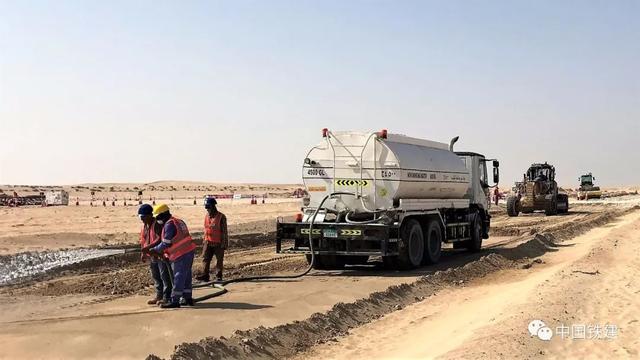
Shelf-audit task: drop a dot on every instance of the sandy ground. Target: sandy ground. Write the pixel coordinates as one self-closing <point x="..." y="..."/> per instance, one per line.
<point x="62" y="322"/>
<point x="593" y="282"/>
<point x="90" y="330"/>
<point x="48" y="228"/>
<point x="74" y="316"/>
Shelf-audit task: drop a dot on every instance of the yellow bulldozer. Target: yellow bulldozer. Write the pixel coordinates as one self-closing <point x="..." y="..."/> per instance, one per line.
<point x="538" y="191"/>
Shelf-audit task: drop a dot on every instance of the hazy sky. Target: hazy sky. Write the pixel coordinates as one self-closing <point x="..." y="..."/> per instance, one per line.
<point x="97" y="91"/>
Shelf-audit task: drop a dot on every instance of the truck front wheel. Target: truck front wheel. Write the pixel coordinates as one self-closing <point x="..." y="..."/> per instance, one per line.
<point x="475" y="243"/>
<point x="411" y="246"/>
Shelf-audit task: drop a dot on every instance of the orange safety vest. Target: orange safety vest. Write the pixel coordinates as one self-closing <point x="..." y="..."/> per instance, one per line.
<point x="148" y="238"/>
<point x="182" y="243"/>
<point x="213" y="229"/>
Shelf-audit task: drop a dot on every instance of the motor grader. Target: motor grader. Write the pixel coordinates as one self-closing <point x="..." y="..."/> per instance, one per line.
<point x="587" y="190"/>
<point x="538" y="191"/>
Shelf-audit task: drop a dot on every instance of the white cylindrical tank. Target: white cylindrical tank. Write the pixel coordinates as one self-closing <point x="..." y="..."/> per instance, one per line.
<point x="383" y="169"/>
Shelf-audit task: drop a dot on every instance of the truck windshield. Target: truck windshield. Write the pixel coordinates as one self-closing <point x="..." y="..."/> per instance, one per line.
<point x="538" y="173"/>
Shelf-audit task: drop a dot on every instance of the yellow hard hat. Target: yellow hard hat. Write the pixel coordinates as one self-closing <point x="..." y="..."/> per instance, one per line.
<point x="159" y="209"/>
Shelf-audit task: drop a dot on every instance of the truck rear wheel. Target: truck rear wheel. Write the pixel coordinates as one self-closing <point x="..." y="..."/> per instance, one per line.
<point x="411" y="247"/>
<point x="513" y="206"/>
<point x="433" y="241"/>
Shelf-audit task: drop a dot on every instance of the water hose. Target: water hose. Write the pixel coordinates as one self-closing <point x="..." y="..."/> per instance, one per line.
<point x="169" y="269"/>
<point x="220" y="285"/>
<point x="374" y="220"/>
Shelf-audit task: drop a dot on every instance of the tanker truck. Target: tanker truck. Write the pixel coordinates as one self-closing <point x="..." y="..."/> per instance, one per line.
<point x="387" y="195"/>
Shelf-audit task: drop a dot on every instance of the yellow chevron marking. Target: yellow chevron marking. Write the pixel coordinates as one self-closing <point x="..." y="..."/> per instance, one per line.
<point x="352" y="182"/>
<point x="350" y="232"/>
<point x="306" y="231"/>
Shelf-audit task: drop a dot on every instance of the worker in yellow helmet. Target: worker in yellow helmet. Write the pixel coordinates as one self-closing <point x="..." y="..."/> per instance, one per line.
<point x="178" y="246"/>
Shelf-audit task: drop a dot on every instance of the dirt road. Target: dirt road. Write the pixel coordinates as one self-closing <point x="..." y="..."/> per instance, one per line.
<point x="287" y="317"/>
<point x="593" y="282"/>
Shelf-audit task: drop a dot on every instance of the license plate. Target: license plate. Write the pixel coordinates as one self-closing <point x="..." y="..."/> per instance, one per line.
<point x="330" y="233"/>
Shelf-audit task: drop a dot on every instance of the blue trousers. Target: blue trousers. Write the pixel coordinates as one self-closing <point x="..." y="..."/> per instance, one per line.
<point x="182" y="282"/>
<point x="160" y="271"/>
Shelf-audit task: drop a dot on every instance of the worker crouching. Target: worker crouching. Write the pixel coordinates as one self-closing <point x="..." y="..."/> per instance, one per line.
<point x="160" y="267"/>
<point x="216" y="240"/>
<point x="179" y="248"/>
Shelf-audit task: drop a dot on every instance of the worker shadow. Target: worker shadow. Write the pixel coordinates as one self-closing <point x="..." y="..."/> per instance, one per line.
<point x="230" y="305"/>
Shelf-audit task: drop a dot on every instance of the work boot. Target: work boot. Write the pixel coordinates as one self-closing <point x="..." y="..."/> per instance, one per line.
<point x="170" y="305"/>
<point x="203" y="278"/>
<point x="219" y="276"/>
<point x="187" y="302"/>
<point x="154" y="301"/>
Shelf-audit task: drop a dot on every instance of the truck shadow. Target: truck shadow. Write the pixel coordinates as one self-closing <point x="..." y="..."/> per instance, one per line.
<point x="531" y="248"/>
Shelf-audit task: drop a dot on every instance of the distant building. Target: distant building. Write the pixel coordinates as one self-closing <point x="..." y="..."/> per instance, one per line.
<point x="57" y="197"/>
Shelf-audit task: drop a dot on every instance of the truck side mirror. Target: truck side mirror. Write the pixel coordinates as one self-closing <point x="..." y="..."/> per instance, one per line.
<point x="496" y="163"/>
<point x="496" y="174"/>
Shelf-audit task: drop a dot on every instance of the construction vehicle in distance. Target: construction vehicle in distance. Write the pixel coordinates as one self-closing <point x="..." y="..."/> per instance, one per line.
<point x="538" y="191"/>
<point x="390" y="196"/>
<point x="587" y="190"/>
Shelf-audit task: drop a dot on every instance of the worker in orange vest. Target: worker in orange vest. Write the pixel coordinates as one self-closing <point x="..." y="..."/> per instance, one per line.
<point x="160" y="269"/>
<point x="178" y="246"/>
<point x="216" y="240"/>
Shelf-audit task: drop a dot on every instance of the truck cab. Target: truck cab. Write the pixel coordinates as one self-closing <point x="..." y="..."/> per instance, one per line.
<point x="478" y="192"/>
